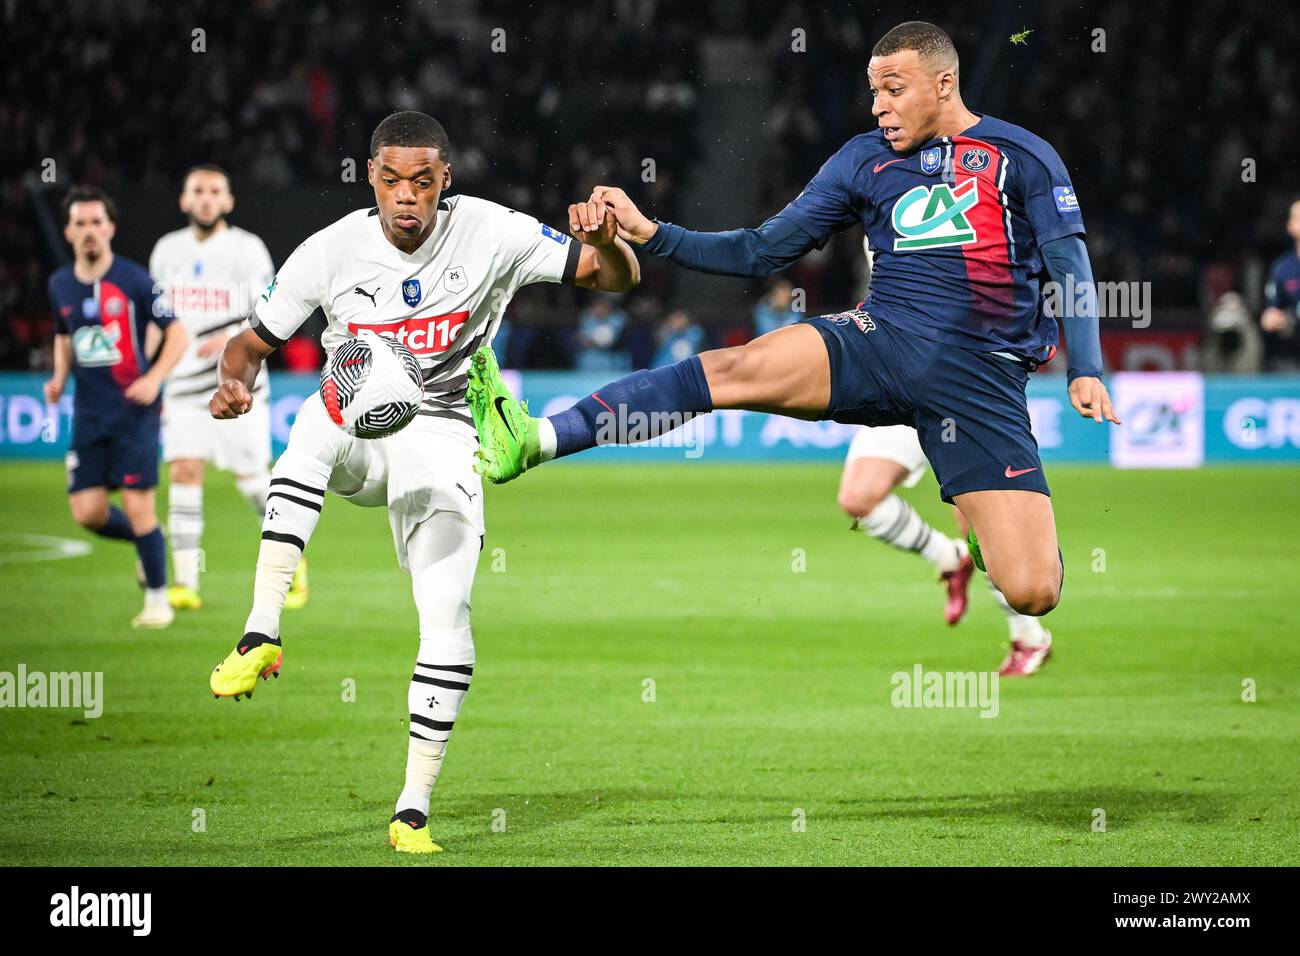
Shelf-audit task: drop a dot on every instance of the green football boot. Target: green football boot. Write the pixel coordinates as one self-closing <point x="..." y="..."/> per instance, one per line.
<point x="507" y="435"/>
<point x="974" y="544"/>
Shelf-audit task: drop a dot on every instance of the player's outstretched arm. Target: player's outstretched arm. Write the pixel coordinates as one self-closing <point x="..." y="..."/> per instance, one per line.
<point x="775" y="244"/>
<point x="1068" y="266"/>
<point x="607" y="262"/>
<point x="241" y="361"/>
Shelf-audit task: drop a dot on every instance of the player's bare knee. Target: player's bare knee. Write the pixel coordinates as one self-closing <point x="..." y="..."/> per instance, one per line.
<point x="859" y="500"/>
<point x="1033" y="594"/>
<point x="91" y="515"/>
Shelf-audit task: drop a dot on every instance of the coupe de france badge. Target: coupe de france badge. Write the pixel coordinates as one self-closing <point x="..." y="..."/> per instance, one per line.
<point x="411" y="292"/>
<point x="550" y="233"/>
<point x="930" y="159"/>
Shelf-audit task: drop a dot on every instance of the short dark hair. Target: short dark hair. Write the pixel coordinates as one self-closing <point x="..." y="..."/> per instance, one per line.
<point x="204" y="168"/>
<point x="410" y="128"/>
<point x="89" y="194"/>
<point x="930" y="42"/>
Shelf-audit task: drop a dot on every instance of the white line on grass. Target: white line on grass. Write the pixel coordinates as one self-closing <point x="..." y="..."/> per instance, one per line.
<point x="50" y="548"/>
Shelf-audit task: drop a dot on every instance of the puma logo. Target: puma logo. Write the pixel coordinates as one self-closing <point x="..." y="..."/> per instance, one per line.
<point x="467" y="494"/>
<point x="369" y="295"/>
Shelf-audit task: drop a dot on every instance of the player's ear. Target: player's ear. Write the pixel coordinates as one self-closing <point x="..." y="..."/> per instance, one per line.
<point x="370" y="171"/>
<point x="446" y="176"/>
<point x="112" y="229"/>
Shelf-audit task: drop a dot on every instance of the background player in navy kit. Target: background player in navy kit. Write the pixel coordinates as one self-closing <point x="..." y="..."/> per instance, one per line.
<point x="103" y="305"/>
<point x="1281" y="343"/>
<point x="966" y="212"/>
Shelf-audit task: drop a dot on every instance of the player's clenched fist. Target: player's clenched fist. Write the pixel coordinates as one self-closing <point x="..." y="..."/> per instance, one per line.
<point x="592" y="224"/>
<point x="230" y="401"/>
<point x="632" y="225"/>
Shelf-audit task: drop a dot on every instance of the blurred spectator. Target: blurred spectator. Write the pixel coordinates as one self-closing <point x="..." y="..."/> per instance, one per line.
<point x="287" y="90"/>
<point x="1233" y="343"/>
<point x="1282" y="297"/>
<point x="679" y="338"/>
<point x="598" y="343"/>
<point x="774" y="310"/>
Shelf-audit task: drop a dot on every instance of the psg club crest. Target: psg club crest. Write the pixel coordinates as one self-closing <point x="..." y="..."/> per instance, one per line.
<point x="975" y="159"/>
<point x="411" y="292"/>
<point x="930" y="160"/>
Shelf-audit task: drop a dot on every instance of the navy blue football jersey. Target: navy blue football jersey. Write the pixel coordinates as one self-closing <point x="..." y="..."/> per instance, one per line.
<point x="955" y="228"/>
<point x="106" y="321"/>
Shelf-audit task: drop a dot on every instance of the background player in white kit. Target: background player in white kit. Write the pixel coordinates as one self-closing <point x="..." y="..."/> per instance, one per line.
<point x="210" y="273"/>
<point x="884" y="458"/>
<point x="436" y="274"/>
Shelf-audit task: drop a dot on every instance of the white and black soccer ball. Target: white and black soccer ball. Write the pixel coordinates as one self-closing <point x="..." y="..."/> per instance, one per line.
<point x="372" y="386"/>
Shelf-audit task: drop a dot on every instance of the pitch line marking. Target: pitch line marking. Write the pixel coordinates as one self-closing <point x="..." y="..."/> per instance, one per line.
<point x="50" y="548"/>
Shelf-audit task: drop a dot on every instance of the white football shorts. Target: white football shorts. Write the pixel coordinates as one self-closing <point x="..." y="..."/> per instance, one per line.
<point x="896" y="443"/>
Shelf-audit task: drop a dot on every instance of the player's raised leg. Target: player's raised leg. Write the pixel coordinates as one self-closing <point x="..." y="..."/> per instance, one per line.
<point x="442" y="554"/>
<point x="317" y="452"/>
<point x="1017" y="535"/>
<point x="1030" y="642"/>
<point x="255" y="488"/>
<point x="786" y="371"/>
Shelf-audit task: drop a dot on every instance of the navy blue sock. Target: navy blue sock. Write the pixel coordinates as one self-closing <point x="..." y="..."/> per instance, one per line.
<point x="152" y="549"/>
<point x="117" y="525"/>
<point x="664" y="397"/>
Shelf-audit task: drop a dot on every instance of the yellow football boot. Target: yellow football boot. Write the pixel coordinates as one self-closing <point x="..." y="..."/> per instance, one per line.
<point x="408" y="832"/>
<point x="256" y="655"/>
<point x="184" y="599"/>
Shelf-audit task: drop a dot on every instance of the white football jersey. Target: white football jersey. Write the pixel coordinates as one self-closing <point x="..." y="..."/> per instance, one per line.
<point x="210" y="287"/>
<point x="442" y="302"/>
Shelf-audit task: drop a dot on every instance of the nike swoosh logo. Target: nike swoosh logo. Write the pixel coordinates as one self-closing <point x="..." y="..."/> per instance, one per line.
<point x="1016" y="474"/>
<point x="880" y="166"/>
<point x="505" y="421"/>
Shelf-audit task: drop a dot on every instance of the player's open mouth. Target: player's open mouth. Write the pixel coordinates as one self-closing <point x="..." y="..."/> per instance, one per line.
<point x="892" y="132"/>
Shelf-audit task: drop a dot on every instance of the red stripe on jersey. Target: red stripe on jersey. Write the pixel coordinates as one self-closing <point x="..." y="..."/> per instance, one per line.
<point x="116" y="311"/>
<point x="988" y="258"/>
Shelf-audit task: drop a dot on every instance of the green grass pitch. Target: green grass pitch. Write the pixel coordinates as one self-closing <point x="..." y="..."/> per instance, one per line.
<point x="772" y="693"/>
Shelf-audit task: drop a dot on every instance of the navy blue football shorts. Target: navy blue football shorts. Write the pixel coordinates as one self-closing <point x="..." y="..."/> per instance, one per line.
<point x="968" y="407"/>
<point x="123" y="455"/>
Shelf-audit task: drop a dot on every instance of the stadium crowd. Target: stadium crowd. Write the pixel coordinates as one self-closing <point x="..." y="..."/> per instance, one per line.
<point x="1184" y="170"/>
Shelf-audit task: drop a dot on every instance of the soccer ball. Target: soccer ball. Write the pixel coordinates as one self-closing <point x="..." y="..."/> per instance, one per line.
<point x="371" y="386"/>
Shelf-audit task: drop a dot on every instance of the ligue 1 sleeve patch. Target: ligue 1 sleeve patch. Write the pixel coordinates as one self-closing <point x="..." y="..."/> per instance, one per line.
<point x="1066" y="200"/>
<point x="550" y="233"/>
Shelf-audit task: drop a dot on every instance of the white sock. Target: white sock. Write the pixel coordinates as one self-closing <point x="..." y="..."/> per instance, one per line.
<point x="434" y="698"/>
<point x="293" y="508"/>
<point x="896" y="522"/>
<point x="1026" y="629"/>
<point x="185" y="529"/>
<point x="546" y="436"/>
<point x="255" y="489"/>
<point x="423" y="764"/>
<point x="155" y="595"/>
